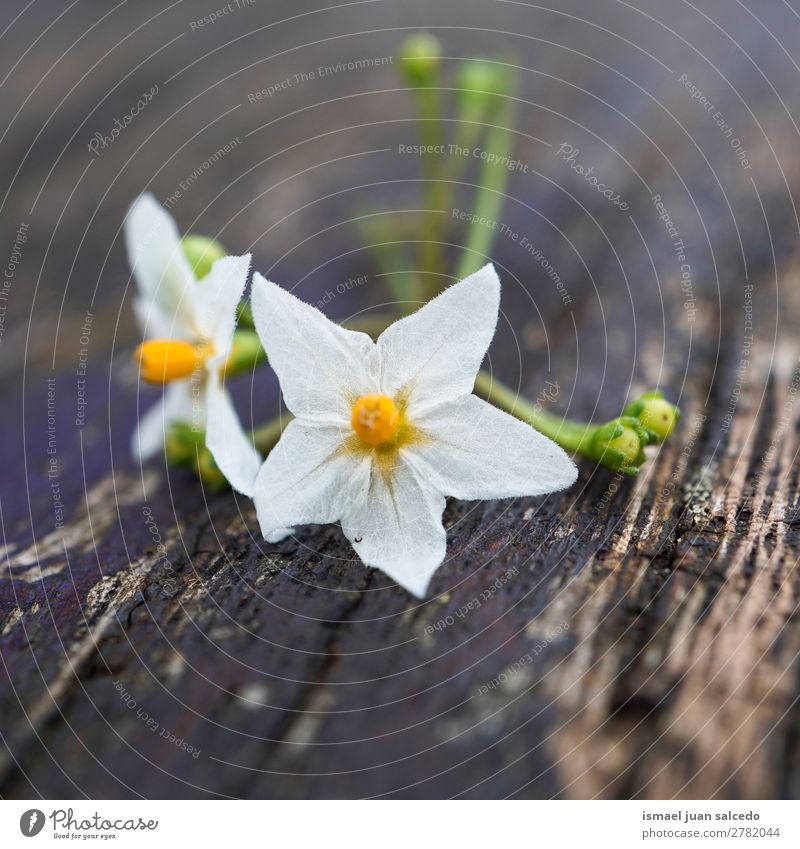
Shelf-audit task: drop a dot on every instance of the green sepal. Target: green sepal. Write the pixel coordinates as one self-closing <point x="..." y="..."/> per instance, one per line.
<point x="202" y="252"/>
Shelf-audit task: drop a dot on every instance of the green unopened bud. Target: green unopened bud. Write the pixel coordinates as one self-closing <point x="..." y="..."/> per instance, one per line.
<point x="182" y="442"/>
<point x="657" y="415"/>
<point x="208" y="471"/>
<point x="419" y="56"/>
<point x="202" y="253"/>
<point x="479" y="83"/>
<point x="619" y="444"/>
<point x="246" y="354"/>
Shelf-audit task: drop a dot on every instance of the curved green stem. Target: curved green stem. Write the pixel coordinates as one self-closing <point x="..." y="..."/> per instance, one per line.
<point x="490" y="195"/>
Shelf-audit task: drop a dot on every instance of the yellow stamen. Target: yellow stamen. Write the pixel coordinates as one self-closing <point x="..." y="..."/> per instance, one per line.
<point x="375" y="418"/>
<point x="163" y="360"/>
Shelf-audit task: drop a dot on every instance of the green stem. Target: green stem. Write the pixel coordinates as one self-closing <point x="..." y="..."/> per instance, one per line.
<point x="467" y="134"/>
<point x="380" y="233"/>
<point x="572" y="436"/>
<point x="430" y="112"/>
<point x="490" y="195"/>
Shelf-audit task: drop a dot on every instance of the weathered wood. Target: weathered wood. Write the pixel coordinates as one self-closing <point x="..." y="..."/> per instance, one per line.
<point x="659" y="615"/>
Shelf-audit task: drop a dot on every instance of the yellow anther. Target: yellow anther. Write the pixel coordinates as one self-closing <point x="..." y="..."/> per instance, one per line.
<point x="375" y="418"/>
<point x="163" y="360"/>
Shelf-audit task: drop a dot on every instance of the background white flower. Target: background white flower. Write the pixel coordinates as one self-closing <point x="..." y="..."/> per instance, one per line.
<point x="383" y="431"/>
<point x="172" y="305"/>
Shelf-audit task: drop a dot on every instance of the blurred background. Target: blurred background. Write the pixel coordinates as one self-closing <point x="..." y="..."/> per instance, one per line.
<point x="274" y="127"/>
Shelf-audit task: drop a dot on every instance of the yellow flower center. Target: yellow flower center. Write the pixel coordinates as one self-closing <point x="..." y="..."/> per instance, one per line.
<point x="163" y="360"/>
<point x="375" y="418"/>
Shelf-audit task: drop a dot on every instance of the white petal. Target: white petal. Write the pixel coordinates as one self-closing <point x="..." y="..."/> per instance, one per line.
<point x="397" y="527"/>
<point x="476" y="451"/>
<point x="218" y="295"/>
<point x="308" y="478"/>
<point x="322" y="367"/>
<point x="230" y="446"/>
<point x="174" y="405"/>
<point x="434" y="354"/>
<point x="163" y="274"/>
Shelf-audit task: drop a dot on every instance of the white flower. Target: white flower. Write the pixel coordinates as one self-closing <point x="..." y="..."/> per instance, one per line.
<point x="384" y="431"/>
<point x="190" y="326"/>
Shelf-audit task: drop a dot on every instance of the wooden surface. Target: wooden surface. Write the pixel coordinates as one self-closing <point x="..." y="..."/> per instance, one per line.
<point x="653" y="623"/>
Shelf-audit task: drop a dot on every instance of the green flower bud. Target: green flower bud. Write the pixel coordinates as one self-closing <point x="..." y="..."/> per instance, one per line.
<point x="202" y="253"/>
<point x="419" y="56"/>
<point x="246" y="354"/>
<point x="479" y="82"/>
<point x="182" y="442"/>
<point x="619" y="444"/>
<point x="658" y="416"/>
<point x="208" y="471"/>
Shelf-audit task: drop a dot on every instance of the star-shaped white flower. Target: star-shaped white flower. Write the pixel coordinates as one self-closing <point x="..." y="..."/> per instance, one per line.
<point x="384" y="431"/>
<point x="190" y="326"/>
